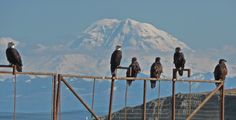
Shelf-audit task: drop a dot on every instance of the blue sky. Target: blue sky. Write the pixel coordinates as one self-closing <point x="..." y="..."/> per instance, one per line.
<point x="200" y="23"/>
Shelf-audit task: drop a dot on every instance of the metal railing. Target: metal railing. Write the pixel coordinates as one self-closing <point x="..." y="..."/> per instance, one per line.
<point x="60" y="78"/>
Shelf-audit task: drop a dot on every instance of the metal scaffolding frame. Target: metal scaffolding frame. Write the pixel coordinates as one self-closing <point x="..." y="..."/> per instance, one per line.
<point x="59" y="78"/>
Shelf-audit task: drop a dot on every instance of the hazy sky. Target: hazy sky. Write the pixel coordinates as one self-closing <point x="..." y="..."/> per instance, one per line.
<point x="199" y="23"/>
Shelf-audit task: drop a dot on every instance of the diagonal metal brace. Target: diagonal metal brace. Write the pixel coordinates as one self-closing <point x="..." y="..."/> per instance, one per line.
<point x="204" y="101"/>
<point x="80" y="99"/>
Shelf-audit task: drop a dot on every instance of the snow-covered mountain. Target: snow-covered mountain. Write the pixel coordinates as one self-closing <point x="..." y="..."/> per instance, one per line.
<point x="89" y="54"/>
<point x="108" y="33"/>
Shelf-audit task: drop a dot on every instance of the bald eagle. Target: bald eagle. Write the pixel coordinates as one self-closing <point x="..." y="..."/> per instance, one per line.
<point x="179" y="60"/>
<point x="115" y="60"/>
<point x="155" y="71"/>
<point x="133" y="70"/>
<point x="14" y="57"/>
<point x="220" y="71"/>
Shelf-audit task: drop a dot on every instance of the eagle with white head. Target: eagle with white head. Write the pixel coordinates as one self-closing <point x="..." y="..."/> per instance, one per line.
<point x="14" y="57"/>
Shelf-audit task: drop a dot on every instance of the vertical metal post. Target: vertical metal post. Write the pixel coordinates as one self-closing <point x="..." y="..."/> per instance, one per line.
<point x="222" y="108"/>
<point x="93" y="94"/>
<point x="189" y="72"/>
<point x="58" y="95"/>
<point x="144" y="99"/>
<point x="54" y="96"/>
<point x="159" y="100"/>
<point x="14" y="96"/>
<point x="111" y="98"/>
<point x="190" y="98"/>
<point x="174" y="74"/>
<point x="173" y="94"/>
<point x="13" y="69"/>
<point x="126" y="97"/>
<point x="94" y="82"/>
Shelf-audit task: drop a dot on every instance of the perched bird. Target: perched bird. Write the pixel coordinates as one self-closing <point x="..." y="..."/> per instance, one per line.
<point x="133" y="70"/>
<point x="179" y="60"/>
<point x="220" y="71"/>
<point x="115" y="60"/>
<point x="13" y="56"/>
<point x="155" y="71"/>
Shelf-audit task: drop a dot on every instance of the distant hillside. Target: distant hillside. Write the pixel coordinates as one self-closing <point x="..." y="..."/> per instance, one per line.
<point x="230" y="91"/>
<point x="185" y="104"/>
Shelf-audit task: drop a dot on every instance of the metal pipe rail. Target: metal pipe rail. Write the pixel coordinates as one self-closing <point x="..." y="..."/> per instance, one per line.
<point x="101" y="78"/>
<point x="6" y="66"/>
<point x="132" y="78"/>
<point x="30" y="73"/>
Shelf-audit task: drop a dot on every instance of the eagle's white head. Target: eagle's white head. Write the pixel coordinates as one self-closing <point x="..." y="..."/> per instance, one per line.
<point x="11" y="44"/>
<point x="118" y="47"/>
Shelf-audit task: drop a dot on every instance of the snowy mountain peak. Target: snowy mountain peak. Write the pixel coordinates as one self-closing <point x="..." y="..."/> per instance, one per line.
<point x="107" y="33"/>
<point x="129" y="21"/>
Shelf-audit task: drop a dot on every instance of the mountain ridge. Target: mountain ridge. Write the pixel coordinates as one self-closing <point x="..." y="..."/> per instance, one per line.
<point x="128" y="32"/>
<point x="160" y="108"/>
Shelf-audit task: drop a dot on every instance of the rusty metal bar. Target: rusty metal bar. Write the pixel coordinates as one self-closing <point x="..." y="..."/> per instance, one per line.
<point x="173" y="93"/>
<point x="190" y="98"/>
<point x="165" y="79"/>
<point x="14" y="84"/>
<point x="133" y="78"/>
<point x="54" y="96"/>
<point x="176" y="70"/>
<point x="94" y="83"/>
<point x="144" y="99"/>
<point x="120" y="67"/>
<point x="93" y="94"/>
<point x="205" y="81"/>
<point x="107" y="78"/>
<point x="111" y="98"/>
<point x="126" y="97"/>
<point x="5" y="66"/>
<point x="82" y="76"/>
<point x="204" y="102"/>
<point x="58" y="95"/>
<point x="29" y="73"/>
<point x="189" y="72"/>
<point x="14" y="70"/>
<point x="174" y="73"/>
<point x="80" y="99"/>
<point x="222" y="106"/>
<point x="159" y="100"/>
<point x="183" y="69"/>
<point x="168" y="79"/>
